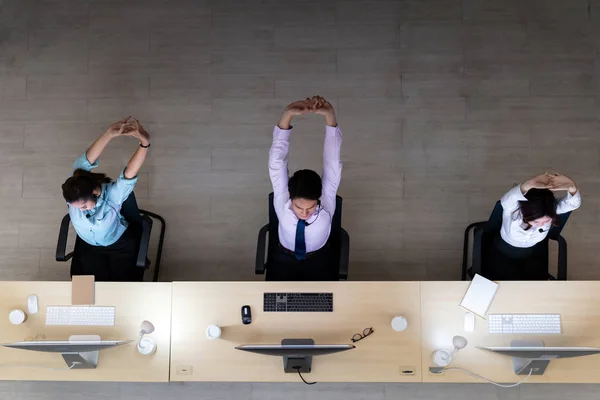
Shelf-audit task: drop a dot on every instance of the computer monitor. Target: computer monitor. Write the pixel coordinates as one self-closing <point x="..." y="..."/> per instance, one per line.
<point x="297" y="353"/>
<point x="79" y="352"/>
<point x="532" y="355"/>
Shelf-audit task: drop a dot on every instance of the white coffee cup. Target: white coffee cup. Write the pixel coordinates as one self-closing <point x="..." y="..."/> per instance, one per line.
<point x="17" y="317"/>
<point x="213" y="332"/>
<point x="399" y="323"/>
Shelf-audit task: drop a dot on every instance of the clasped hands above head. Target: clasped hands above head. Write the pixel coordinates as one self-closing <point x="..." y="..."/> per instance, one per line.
<point x="552" y="180"/>
<point x="129" y="126"/>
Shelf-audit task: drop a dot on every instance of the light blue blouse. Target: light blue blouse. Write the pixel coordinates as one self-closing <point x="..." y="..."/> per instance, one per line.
<point x="103" y="225"/>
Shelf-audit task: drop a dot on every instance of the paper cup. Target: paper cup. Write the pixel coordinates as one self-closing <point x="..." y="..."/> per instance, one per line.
<point x="17" y="317"/>
<point x="399" y="324"/>
<point x="213" y="332"/>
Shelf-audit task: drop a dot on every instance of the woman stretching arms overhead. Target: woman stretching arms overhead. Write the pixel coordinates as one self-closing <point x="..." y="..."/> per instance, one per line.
<point x="106" y="244"/>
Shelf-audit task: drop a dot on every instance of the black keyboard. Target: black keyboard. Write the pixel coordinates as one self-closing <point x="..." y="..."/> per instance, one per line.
<point x="298" y="302"/>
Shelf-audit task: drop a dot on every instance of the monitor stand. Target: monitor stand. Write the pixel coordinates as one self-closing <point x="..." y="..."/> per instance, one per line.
<point x="83" y="360"/>
<point x="522" y="366"/>
<point x="293" y="364"/>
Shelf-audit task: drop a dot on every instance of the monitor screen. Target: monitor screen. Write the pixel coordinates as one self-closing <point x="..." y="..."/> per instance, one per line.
<point x="65" y="346"/>
<point x="543" y="352"/>
<point x="295" y="349"/>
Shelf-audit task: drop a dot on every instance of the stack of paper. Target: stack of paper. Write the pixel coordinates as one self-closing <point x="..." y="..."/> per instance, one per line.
<point x="479" y="296"/>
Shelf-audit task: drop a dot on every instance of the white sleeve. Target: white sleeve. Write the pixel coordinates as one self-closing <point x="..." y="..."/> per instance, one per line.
<point x="569" y="203"/>
<point x="278" y="168"/>
<point x="510" y="200"/>
<point x="332" y="167"/>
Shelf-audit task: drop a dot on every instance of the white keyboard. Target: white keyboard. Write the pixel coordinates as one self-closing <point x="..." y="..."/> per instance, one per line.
<point x="524" y="323"/>
<point x="80" y="315"/>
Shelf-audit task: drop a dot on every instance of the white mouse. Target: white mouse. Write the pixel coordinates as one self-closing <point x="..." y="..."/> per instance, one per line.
<point x="32" y="304"/>
<point x="469" y="322"/>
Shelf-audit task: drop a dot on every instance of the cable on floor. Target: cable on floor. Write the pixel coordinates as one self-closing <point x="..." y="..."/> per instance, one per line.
<point x="301" y="377"/>
<point x="474" y="375"/>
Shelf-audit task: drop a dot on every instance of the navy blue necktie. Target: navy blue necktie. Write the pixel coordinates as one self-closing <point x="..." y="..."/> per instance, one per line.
<point x="300" y="249"/>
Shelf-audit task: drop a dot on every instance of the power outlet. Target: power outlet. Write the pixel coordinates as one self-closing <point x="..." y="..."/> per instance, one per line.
<point x="407" y="371"/>
<point x="435" y="372"/>
<point x="184" y="370"/>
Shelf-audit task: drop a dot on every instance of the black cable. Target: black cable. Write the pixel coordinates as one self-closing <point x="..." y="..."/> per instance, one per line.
<point x="301" y="377"/>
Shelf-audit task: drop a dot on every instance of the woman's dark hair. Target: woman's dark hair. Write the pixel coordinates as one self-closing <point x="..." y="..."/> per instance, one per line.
<point x="305" y="184"/>
<point x="81" y="186"/>
<point x="540" y="203"/>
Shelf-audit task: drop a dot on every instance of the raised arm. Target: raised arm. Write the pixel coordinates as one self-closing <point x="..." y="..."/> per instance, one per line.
<point x="332" y="165"/>
<point x="96" y="149"/>
<point x="510" y="200"/>
<point x="137" y="160"/>
<point x="278" y="154"/>
<point x="572" y="200"/>
<point x="125" y="184"/>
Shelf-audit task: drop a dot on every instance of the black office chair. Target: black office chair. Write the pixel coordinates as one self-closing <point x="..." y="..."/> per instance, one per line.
<point x="485" y="260"/>
<point x="133" y="215"/>
<point x="339" y="241"/>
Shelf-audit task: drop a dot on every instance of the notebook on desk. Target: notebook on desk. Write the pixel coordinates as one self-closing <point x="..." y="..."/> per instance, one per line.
<point x="82" y="289"/>
<point x="479" y="296"/>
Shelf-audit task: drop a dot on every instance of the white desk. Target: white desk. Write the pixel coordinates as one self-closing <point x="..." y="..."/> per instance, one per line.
<point x="577" y="302"/>
<point x="134" y="303"/>
<point x="357" y="305"/>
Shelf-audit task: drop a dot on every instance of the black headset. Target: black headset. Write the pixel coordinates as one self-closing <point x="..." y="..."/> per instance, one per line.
<point x="95" y="198"/>
<point x="318" y="213"/>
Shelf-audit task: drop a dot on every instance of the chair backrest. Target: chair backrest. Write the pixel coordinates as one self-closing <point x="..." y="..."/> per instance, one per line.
<point x="556" y="230"/>
<point x="273" y="226"/>
<point x="130" y="210"/>
<point x="494" y="223"/>
<point x="336" y="223"/>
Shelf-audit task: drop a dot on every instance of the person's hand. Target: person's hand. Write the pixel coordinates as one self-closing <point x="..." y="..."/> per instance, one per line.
<point x="135" y="129"/>
<point x="323" y="107"/>
<point x="116" y="129"/>
<point x="299" y="108"/>
<point x="537" y="182"/>
<point x="561" y="182"/>
<point x="296" y="108"/>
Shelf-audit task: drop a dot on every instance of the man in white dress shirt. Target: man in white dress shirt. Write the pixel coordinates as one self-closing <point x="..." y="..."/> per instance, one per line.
<point x="304" y="203"/>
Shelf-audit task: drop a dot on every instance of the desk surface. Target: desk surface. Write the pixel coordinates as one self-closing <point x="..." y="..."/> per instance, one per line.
<point x="357" y="305"/>
<point x="577" y="302"/>
<point x="134" y="303"/>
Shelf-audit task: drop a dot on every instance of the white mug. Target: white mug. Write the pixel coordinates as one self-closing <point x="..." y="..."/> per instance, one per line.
<point x="399" y="323"/>
<point x="17" y="317"/>
<point x="213" y="332"/>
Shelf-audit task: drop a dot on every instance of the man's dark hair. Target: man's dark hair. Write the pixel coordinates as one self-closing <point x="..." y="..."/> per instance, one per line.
<point x="305" y="184"/>
<point x="540" y="203"/>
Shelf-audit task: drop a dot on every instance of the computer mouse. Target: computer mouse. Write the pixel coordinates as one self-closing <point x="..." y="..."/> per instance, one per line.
<point x="32" y="304"/>
<point x="469" y="322"/>
<point x="246" y="315"/>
